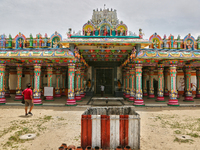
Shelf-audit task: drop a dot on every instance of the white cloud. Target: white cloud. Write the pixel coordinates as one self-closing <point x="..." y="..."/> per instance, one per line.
<point x="47" y="16"/>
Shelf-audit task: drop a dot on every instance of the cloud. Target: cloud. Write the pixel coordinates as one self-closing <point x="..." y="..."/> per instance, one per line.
<point x="47" y="16"/>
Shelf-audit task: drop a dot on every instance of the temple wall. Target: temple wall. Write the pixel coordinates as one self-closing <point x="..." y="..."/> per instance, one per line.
<point x="119" y="74"/>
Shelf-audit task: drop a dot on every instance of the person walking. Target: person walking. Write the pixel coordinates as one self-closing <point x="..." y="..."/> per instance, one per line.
<point x="102" y="90"/>
<point x="27" y="93"/>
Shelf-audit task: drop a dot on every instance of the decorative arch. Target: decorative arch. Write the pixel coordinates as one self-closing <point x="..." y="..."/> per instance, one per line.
<point x="105" y="28"/>
<point x="55" y="39"/>
<point x="189" y="42"/>
<point x="156" y="41"/>
<point x="19" y="39"/>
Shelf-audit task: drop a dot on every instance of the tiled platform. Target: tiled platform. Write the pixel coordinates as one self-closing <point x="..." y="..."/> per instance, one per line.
<point x="60" y="102"/>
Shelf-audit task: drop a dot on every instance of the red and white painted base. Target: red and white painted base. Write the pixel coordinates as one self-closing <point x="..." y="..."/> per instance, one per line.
<point x="145" y="94"/>
<point x="178" y="96"/>
<point x="173" y="102"/>
<point x="37" y="101"/>
<point x="108" y="132"/>
<point x="127" y="96"/>
<point x="71" y="102"/>
<point x="57" y="95"/>
<point x="82" y="95"/>
<point x="160" y="99"/>
<point x="188" y="99"/>
<point x="139" y="102"/>
<point x="7" y="94"/>
<point x="131" y="99"/>
<point x="49" y="98"/>
<point x="63" y="94"/>
<point x="166" y="94"/>
<point x="197" y="96"/>
<point x="18" y="97"/>
<point x="78" y="98"/>
<point x="2" y="101"/>
<point x="151" y="96"/>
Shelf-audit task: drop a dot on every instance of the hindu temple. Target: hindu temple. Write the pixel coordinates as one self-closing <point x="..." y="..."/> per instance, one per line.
<point x="103" y="52"/>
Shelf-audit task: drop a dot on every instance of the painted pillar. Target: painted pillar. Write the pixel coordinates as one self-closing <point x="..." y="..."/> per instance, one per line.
<point x="57" y="89"/>
<point x="127" y="83"/>
<point x="49" y="80"/>
<point x="78" y="83"/>
<point x="188" y="94"/>
<point x="198" y="83"/>
<point x="177" y="84"/>
<point x="71" y="99"/>
<point x="63" y="81"/>
<point x="32" y="78"/>
<point x="138" y="82"/>
<point x="7" y="89"/>
<point x="82" y="82"/>
<point x="2" y="80"/>
<point x="36" y="92"/>
<point x="151" y="84"/>
<point x="41" y="82"/>
<point x="124" y="81"/>
<point x="132" y="82"/>
<point x="173" y="101"/>
<point x="145" y="93"/>
<point x="18" y="95"/>
<point x="166" y="92"/>
<point x="160" y="97"/>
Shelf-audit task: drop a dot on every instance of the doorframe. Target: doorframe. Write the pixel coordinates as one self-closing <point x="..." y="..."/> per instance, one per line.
<point x="95" y="75"/>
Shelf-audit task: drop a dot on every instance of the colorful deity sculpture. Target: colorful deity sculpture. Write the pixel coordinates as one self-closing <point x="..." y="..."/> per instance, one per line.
<point x="3" y="41"/>
<point x="198" y="42"/>
<point x="45" y="40"/>
<point x="31" y="41"/>
<point x="121" y="32"/>
<point x="171" y="41"/>
<point x="69" y="33"/>
<point x="20" y="43"/>
<point x="164" y="42"/>
<point x="155" y="44"/>
<point x="105" y="31"/>
<point x="178" y="42"/>
<point x="88" y="32"/>
<point x="38" y="40"/>
<point x="141" y="34"/>
<point x="10" y="41"/>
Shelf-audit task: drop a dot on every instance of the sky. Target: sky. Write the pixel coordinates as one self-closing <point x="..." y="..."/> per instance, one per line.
<point x="176" y="17"/>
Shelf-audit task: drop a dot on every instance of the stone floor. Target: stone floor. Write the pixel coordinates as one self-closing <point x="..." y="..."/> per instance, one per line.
<point x="148" y="102"/>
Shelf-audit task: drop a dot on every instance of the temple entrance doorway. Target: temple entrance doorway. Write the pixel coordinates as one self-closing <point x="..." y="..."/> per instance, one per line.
<point x="104" y="76"/>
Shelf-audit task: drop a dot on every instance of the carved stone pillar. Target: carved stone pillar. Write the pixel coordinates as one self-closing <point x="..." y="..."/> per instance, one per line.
<point x="71" y="95"/>
<point x="173" y="101"/>
<point x="57" y="89"/>
<point x="132" y="82"/>
<point x="18" y="96"/>
<point x="188" y="89"/>
<point x="78" y="83"/>
<point x="7" y="89"/>
<point x="49" y="80"/>
<point x="145" y="71"/>
<point x="160" y="97"/>
<point x="138" y="95"/>
<point x="2" y="80"/>
<point x="151" y="83"/>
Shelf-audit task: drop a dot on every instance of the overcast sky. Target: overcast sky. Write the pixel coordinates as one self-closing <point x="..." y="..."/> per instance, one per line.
<point x="47" y="16"/>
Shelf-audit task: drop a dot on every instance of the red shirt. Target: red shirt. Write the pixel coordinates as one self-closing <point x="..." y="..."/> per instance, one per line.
<point x="27" y="94"/>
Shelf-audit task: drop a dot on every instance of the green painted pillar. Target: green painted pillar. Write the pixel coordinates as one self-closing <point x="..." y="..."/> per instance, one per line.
<point x="82" y="82"/>
<point x="49" y="79"/>
<point x="160" y="97"/>
<point x="198" y="83"/>
<point x="57" y="89"/>
<point x="132" y="82"/>
<point x="78" y="82"/>
<point x="2" y="80"/>
<point x="71" y="73"/>
<point x="18" y="96"/>
<point x="7" y="89"/>
<point x="151" y="83"/>
<point x="145" y="74"/>
<point x="138" y="82"/>
<point x="188" y="94"/>
<point x="36" y="92"/>
<point x="173" y="101"/>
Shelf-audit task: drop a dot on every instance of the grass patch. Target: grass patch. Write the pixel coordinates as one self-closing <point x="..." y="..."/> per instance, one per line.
<point x="183" y="140"/>
<point x="195" y="135"/>
<point x="177" y="132"/>
<point x="60" y="119"/>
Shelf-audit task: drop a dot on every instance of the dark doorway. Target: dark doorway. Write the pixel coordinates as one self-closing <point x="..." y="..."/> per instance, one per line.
<point x="105" y="77"/>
